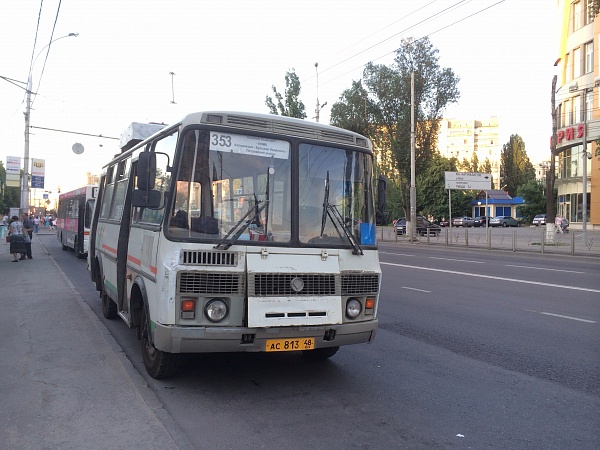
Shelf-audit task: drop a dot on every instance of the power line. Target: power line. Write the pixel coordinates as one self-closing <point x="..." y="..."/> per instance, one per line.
<point x="74" y="132"/>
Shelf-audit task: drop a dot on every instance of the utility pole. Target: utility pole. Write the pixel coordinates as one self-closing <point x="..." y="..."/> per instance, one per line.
<point x="318" y="107"/>
<point x="413" y="189"/>
<point x="172" y="88"/>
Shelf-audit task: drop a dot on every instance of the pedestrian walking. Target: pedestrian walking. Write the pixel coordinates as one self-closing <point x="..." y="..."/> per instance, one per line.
<point x="558" y="222"/>
<point x="27" y="234"/>
<point x="36" y="224"/>
<point x="17" y="239"/>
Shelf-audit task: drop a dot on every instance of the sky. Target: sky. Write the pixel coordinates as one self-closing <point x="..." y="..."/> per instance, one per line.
<point x="226" y="55"/>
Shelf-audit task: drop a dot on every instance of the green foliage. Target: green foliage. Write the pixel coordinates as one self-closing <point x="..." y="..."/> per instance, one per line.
<point x="533" y="192"/>
<point x="515" y="168"/>
<point x="593" y="7"/>
<point x="380" y="107"/>
<point x="288" y="104"/>
<point x="432" y="195"/>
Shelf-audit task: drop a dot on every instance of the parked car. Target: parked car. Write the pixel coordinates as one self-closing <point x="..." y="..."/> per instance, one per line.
<point x="504" y="221"/>
<point x="481" y="221"/>
<point x="464" y="221"/>
<point x="539" y="219"/>
<point x="444" y="223"/>
<point x="423" y="226"/>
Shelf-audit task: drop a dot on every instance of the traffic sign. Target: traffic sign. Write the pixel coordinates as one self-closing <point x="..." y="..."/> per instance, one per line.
<point x="468" y="180"/>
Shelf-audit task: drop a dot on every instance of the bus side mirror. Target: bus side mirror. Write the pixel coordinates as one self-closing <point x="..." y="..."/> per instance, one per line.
<point x="146" y="199"/>
<point x="381" y="213"/>
<point x="146" y="171"/>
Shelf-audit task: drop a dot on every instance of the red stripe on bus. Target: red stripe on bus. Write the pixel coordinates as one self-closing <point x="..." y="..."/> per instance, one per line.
<point x="133" y="259"/>
<point x="110" y="249"/>
<point x="153" y="269"/>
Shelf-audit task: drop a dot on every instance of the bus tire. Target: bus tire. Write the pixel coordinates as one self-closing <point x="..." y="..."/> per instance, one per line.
<point x="109" y="308"/>
<point x="158" y="364"/>
<point x="320" y="353"/>
<point x="65" y="247"/>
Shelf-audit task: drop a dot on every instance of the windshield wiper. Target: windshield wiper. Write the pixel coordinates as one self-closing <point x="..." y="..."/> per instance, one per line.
<point x="255" y="211"/>
<point x="337" y="219"/>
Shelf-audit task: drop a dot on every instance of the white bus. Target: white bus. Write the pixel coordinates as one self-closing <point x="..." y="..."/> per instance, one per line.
<point x="237" y="232"/>
<point x="74" y="217"/>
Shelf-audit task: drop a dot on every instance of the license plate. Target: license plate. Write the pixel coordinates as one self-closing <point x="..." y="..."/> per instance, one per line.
<point x="289" y="345"/>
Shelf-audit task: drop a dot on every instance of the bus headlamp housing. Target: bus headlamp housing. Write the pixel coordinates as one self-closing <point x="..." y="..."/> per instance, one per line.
<point x="215" y="309"/>
<point x="353" y="308"/>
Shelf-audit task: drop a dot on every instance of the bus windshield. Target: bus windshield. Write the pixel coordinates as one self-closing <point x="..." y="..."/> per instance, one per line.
<point x="234" y="187"/>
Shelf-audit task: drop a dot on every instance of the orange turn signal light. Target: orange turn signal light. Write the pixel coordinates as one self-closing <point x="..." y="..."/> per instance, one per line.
<point x="188" y="305"/>
<point x="370" y="303"/>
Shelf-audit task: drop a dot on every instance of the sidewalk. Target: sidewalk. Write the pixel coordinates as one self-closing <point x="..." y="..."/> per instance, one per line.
<point x="64" y="381"/>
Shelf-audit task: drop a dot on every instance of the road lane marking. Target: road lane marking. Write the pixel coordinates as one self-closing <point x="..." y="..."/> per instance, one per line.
<point x="395" y="254"/>
<point x="491" y="277"/>
<point x="459" y="260"/>
<point x="561" y="316"/>
<point x="543" y="268"/>
<point x="567" y="317"/>
<point x="415" y="289"/>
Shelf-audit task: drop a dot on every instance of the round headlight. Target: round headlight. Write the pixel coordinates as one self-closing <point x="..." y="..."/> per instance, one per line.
<point x="353" y="308"/>
<point x="215" y="310"/>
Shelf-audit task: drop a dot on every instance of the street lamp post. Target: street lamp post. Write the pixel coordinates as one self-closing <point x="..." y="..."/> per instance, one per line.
<point x="25" y="180"/>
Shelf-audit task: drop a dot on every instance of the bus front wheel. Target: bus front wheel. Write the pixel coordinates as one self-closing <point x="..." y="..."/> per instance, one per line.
<point x="158" y="364"/>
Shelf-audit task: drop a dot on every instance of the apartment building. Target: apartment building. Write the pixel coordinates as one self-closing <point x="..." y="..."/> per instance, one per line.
<point x="578" y="116"/>
<point x="464" y="138"/>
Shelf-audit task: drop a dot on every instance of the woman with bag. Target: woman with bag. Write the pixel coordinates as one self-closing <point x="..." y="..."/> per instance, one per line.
<point x="17" y="240"/>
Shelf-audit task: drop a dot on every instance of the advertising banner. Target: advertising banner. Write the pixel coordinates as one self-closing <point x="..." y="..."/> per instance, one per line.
<point x="13" y="171"/>
<point x="38" y="172"/>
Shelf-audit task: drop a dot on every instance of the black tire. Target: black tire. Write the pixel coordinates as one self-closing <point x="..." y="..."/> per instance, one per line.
<point x="109" y="308"/>
<point x="98" y="276"/>
<point x="504" y="224"/>
<point x="320" y="353"/>
<point x="158" y="364"/>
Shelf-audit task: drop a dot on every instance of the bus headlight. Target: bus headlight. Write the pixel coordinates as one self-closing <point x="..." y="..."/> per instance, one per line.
<point x="353" y="308"/>
<point x="215" y="309"/>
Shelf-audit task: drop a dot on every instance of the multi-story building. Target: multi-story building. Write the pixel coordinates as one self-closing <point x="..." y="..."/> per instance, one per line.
<point x="577" y="114"/>
<point x="464" y="138"/>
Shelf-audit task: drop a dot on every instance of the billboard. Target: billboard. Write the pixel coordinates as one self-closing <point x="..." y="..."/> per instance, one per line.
<point x="38" y="172"/>
<point x="13" y="171"/>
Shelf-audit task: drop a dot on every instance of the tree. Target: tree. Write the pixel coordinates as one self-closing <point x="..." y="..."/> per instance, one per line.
<point x="533" y="192"/>
<point x="288" y="104"/>
<point x="515" y="167"/>
<point x="384" y="99"/>
<point x="593" y="7"/>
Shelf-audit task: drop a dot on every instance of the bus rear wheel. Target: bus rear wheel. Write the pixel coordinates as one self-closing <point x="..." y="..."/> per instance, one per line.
<point x="320" y="353"/>
<point x="109" y="308"/>
<point x="158" y="364"/>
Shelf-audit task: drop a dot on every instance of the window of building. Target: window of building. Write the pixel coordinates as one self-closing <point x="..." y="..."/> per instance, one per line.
<point x="576" y="15"/>
<point x="577" y="117"/>
<point x="589" y="57"/>
<point x="568" y="112"/>
<point x="577" y="63"/>
<point x="589" y="104"/>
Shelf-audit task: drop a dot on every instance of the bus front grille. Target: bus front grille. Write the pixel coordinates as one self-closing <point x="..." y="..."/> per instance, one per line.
<point x="276" y="284"/>
<point x="209" y="258"/>
<point x="210" y="283"/>
<point x="355" y="284"/>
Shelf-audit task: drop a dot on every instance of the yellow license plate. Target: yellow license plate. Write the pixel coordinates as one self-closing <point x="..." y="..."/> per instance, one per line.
<point x="289" y="345"/>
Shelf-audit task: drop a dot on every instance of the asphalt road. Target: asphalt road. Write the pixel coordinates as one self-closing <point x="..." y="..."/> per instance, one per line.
<point x="475" y="349"/>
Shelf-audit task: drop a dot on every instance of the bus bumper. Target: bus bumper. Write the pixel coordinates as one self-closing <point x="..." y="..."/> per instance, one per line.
<point x="175" y="339"/>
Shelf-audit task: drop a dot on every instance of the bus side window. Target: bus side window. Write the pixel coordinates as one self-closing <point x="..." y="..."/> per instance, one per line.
<point x="108" y="193"/>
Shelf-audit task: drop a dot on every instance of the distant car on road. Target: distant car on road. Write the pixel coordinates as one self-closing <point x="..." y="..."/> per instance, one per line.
<point x="444" y="223"/>
<point x="539" y="219"/>
<point x="464" y="221"/>
<point x="481" y="221"/>
<point x="423" y="227"/>
<point x="504" y="221"/>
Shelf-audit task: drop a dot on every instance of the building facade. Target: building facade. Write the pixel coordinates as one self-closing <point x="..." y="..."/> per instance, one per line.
<point x="462" y="139"/>
<point x="577" y="114"/>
